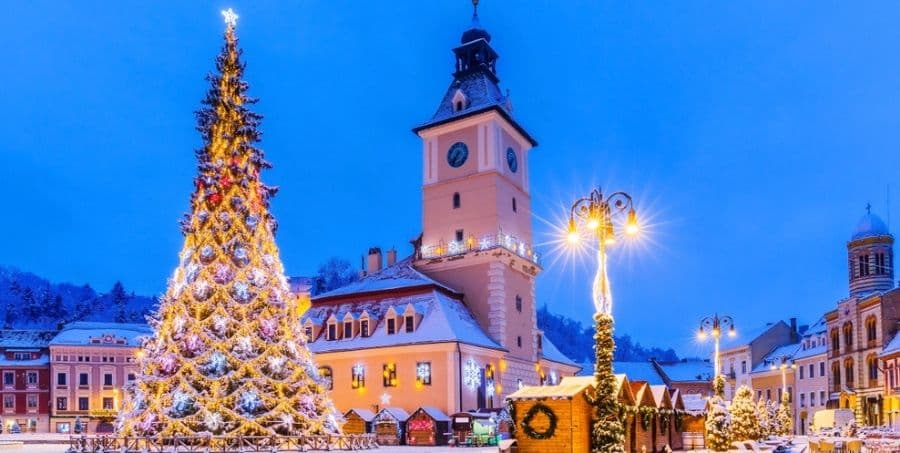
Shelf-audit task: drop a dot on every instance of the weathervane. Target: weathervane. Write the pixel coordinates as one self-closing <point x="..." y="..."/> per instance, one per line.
<point x="230" y="17"/>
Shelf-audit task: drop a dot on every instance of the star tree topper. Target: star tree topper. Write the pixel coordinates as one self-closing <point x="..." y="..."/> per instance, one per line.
<point x="230" y="17"/>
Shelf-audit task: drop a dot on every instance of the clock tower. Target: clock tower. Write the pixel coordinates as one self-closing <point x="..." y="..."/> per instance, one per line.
<point x="476" y="206"/>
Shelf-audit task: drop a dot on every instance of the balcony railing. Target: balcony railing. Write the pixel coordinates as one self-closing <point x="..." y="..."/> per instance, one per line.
<point x="486" y="242"/>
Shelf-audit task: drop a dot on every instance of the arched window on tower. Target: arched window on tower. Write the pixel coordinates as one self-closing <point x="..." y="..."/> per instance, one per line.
<point x="872" y="366"/>
<point x="836" y="376"/>
<point x="848" y="372"/>
<point x="863" y="265"/>
<point x="848" y="335"/>
<point x="456" y="200"/>
<point x="835" y="341"/>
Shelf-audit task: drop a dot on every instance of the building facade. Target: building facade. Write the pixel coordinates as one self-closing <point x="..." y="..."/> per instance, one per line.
<point x="741" y="355"/>
<point x="90" y="364"/>
<point x="25" y="368"/>
<point x="454" y="325"/>
<point x="863" y="323"/>
<point x="811" y="376"/>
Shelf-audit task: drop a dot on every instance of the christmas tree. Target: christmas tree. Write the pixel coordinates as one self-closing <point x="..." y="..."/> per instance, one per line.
<point x="765" y="422"/>
<point x="228" y="355"/>
<point x="608" y="434"/>
<point x="783" y="414"/>
<point x="718" y="420"/>
<point x="745" y="424"/>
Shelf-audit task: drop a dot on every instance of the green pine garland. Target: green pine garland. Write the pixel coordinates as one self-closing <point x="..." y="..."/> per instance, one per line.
<point x="608" y="434"/>
<point x="533" y="433"/>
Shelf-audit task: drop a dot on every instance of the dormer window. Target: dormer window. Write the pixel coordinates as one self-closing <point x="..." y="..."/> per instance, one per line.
<point x="348" y="329"/>
<point x="410" y="323"/>
<point x="391" y="326"/>
<point x="364" y="328"/>
<point x="332" y="331"/>
<point x="309" y="333"/>
<point x="459" y="101"/>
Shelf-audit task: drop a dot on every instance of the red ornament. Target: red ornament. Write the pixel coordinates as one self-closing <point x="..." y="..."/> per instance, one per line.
<point x="225" y="181"/>
<point x="215" y="198"/>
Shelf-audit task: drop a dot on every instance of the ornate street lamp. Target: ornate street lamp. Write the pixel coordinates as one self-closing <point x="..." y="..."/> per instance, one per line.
<point x="592" y="217"/>
<point x="712" y="326"/>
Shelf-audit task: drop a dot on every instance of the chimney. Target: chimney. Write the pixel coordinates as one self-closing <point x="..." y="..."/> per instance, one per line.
<point x="374" y="262"/>
<point x="391" y="257"/>
<point x="795" y="335"/>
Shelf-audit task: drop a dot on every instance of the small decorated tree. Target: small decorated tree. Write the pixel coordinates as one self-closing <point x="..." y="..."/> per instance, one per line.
<point x="718" y="420"/>
<point x="744" y="420"/>
<point x="784" y="416"/>
<point x="765" y="422"/>
<point x="774" y="421"/>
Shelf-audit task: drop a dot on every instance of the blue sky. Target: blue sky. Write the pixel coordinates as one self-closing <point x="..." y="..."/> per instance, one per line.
<point x="751" y="135"/>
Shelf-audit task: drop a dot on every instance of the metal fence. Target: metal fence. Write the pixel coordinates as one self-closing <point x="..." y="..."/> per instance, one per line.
<point x="220" y="444"/>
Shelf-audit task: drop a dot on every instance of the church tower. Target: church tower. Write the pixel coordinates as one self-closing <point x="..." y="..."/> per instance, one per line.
<point x="870" y="255"/>
<point x="476" y="206"/>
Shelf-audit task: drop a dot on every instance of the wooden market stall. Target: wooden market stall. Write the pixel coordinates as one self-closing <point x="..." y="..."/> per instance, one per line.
<point x="553" y="418"/>
<point x="388" y="425"/>
<point x="676" y="441"/>
<point x="626" y="402"/>
<point x="473" y="428"/>
<point x="663" y="418"/>
<point x="358" y="421"/>
<point x="644" y="418"/>
<point x="427" y="426"/>
<point x="694" y="421"/>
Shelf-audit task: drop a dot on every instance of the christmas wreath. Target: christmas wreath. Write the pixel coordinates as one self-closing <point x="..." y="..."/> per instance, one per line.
<point x="531" y="432"/>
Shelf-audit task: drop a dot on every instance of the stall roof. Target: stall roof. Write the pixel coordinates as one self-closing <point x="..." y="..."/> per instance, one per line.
<point x="567" y="388"/>
<point x="395" y="412"/>
<point x="364" y="414"/>
<point x="435" y="413"/>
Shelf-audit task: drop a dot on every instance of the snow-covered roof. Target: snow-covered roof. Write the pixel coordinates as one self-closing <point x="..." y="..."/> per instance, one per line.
<point x="639" y="371"/>
<point x="444" y="319"/>
<point x="552" y="353"/>
<point x="400" y="275"/>
<point x="17" y="339"/>
<point x="892" y="347"/>
<point x="82" y="332"/>
<point x="694" y="403"/>
<point x="775" y="357"/>
<point x="567" y="388"/>
<point x="688" y="370"/>
<point x="392" y="412"/>
<point x="661" y="395"/>
<point x="435" y="413"/>
<point x="364" y="414"/>
<point x="44" y="359"/>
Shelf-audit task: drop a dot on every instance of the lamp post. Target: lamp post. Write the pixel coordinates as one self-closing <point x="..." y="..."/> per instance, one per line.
<point x="593" y="216"/>
<point x="712" y="326"/>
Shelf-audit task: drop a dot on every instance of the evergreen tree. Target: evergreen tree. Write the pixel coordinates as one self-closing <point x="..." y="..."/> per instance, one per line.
<point x="608" y="433"/>
<point x="744" y="420"/>
<point x="333" y="274"/>
<point x="30" y="306"/>
<point x="784" y="416"/>
<point x="774" y="420"/>
<point x="228" y="355"/>
<point x="765" y="422"/>
<point x="718" y="420"/>
<point x="120" y="302"/>
<point x="9" y="317"/>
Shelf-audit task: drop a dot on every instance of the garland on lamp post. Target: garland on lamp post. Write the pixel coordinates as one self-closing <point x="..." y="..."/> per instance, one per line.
<point x="594" y="214"/>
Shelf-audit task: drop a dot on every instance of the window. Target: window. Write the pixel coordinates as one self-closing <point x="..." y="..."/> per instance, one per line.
<point x="308" y="333"/>
<point x="108" y="379"/>
<point x="871" y="328"/>
<point x="456" y="200"/>
<point x="460" y="234"/>
<point x="327" y="377"/>
<point x="62" y="403"/>
<point x="518" y="303"/>
<point x="63" y="428"/>
<point x="83" y="380"/>
<point x="759" y="394"/>
<point x="873" y="370"/>
<point x="790" y="394"/>
<point x="880" y="268"/>
<point x="812" y="371"/>
<point x="848" y="335"/>
<point x="31" y="401"/>
<point x="31" y="378"/>
<point x="9" y="378"/>
<point x="332" y="331"/>
<point x="130" y="377"/>
<point x="779" y="393"/>
<point x="22" y="356"/>
<point x="84" y="403"/>
<point x="540" y="341"/>
<point x="348" y="330"/>
<point x="358" y="377"/>
<point x="514" y="205"/>
<point x="364" y="327"/>
<point x="891" y="378"/>
<point x="836" y="375"/>
<point x="9" y="402"/>
<point x="743" y="367"/>
<point x="768" y="394"/>
<point x="410" y="322"/>
<point x="458" y="106"/>
<point x="389" y="374"/>
<point x="848" y="372"/>
<point x="108" y="403"/>
<point x="863" y="265"/>
<point x="519" y="341"/>
<point x="822" y="398"/>
<point x="835" y="342"/>
<point x="821" y="369"/>
<point x="801" y="372"/>
<point x="61" y="379"/>
<point x="391" y="326"/>
<point x="802" y="400"/>
<point x="423" y="373"/>
<point x="812" y="399"/>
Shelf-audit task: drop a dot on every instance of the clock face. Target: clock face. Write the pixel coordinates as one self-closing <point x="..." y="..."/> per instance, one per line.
<point x="457" y="154"/>
<point x="512" y="160"/>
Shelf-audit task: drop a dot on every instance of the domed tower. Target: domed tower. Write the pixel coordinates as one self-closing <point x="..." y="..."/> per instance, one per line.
<point x="870" y="256"/>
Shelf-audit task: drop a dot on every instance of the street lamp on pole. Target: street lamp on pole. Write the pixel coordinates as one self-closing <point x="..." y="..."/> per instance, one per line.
<point x="594" y="215"/>
<point x="712" y="326"/>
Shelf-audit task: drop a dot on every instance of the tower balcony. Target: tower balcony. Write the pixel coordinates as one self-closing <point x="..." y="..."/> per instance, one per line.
<point x="484" y="243"/>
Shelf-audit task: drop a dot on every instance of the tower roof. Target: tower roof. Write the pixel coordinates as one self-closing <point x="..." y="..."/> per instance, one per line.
<point x="869" y="225"/>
